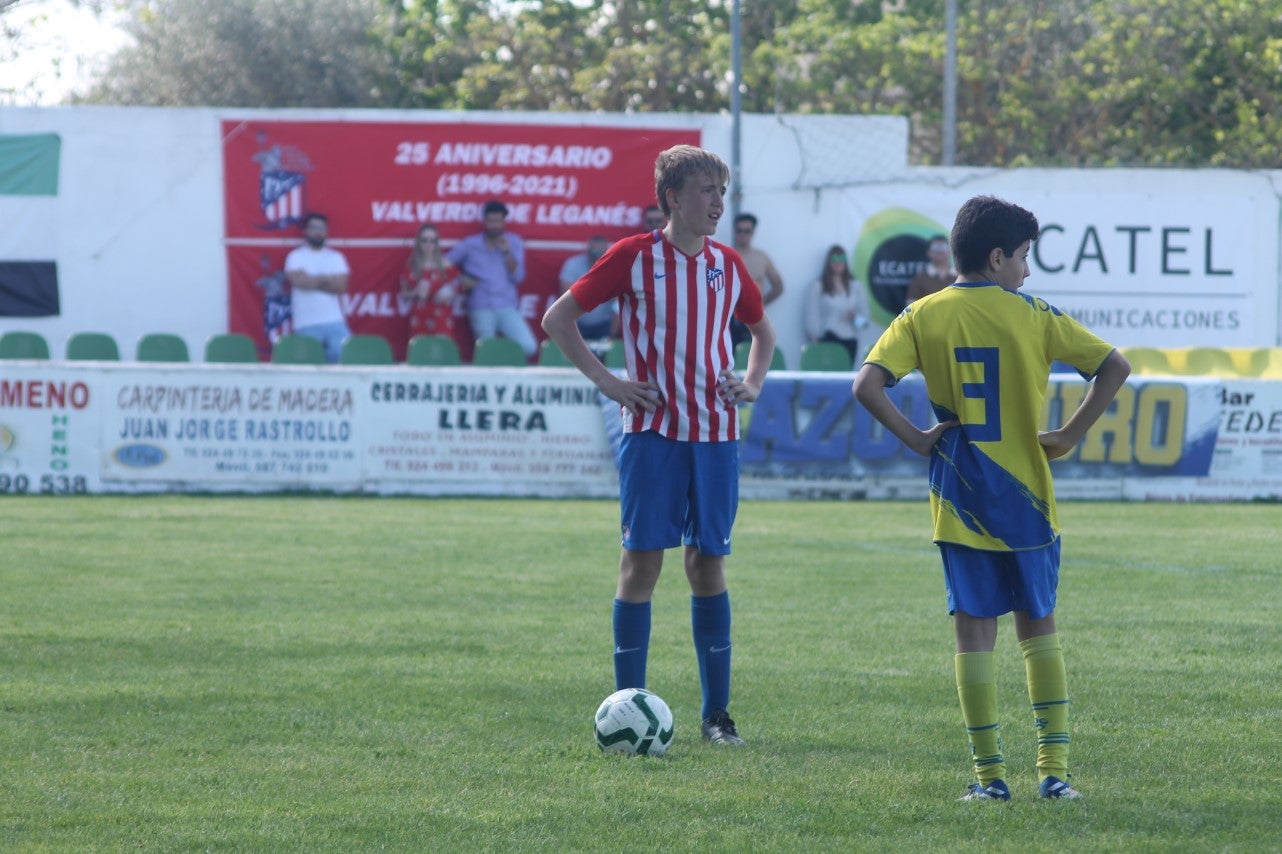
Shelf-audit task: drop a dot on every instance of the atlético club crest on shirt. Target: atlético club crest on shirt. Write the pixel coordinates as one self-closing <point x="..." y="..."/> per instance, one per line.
<point x="716" y="278"/>
<point x="282" y="184"/>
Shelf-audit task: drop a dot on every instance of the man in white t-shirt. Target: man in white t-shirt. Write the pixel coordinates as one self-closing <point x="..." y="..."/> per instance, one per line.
<point x="317" y="275"/>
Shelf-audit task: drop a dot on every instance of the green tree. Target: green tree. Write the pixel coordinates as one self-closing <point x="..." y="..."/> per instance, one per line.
<point x="20" y="29"/>
<point x="433" y="45"/>
<point x="650" y="55"/>
<point x="1186" y="83"/>
<point x="249" y="53"/>
<point x="1046" y="82"/>
<point x="1072" y="82"/>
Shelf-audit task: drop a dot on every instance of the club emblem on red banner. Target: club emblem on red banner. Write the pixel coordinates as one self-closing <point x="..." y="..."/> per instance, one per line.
<point x="277" y="314"/>
<point x="282" y="184"/>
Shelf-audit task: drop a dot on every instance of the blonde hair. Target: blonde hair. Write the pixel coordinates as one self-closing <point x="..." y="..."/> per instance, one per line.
<point x="679" y="164"/>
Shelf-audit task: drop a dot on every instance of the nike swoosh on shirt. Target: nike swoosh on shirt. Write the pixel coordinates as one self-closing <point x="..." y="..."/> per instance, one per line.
<point x="660" y="275"/>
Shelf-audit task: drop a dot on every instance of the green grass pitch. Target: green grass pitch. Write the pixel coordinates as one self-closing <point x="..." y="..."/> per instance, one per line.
<point x="358" y="674"/>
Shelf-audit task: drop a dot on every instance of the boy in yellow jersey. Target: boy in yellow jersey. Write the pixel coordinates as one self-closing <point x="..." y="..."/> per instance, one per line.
<point x="985" y="351"/>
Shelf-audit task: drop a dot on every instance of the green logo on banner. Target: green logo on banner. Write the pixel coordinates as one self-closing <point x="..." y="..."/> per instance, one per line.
<point x="891" y="249"/>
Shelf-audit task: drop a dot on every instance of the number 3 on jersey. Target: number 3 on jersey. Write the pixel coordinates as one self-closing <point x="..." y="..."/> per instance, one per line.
<point x="989" y="391"/>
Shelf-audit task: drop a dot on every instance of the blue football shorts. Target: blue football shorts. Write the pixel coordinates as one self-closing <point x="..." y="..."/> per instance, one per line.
<point x="677" y="493"/>
<point x="988" y="584"/>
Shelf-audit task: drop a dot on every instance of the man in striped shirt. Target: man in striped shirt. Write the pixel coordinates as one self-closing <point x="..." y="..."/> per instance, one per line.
<point x="679" y="463"/>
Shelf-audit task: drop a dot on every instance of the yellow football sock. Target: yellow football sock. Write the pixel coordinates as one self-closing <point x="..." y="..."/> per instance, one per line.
<point x="1048" y="694"/>
<point x="977" y="691"/>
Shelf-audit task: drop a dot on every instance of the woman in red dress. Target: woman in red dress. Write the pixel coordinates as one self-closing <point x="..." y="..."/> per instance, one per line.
<point x="429" y="284"/>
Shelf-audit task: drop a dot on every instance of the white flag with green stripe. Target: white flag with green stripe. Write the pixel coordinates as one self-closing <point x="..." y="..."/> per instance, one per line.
<point x="29" y="237"/>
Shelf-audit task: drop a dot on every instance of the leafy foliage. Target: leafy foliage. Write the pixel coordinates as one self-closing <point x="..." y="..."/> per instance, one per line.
<point x="1047" y="82"/>
<point x="248" y="53"/>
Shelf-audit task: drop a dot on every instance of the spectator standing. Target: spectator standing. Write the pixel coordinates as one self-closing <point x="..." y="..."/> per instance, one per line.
<point x="939" y="273"/>
<point x="429" y="285"/>
<point x="836" y="306"/>
<point x="317" y="274"/>
<point x="602" y="321"/>
<point x="493" y="264"/>
<point x="760" y="268"/>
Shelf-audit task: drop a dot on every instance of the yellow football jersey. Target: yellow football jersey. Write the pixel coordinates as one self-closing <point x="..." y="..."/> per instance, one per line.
<point x="986" y="354"/>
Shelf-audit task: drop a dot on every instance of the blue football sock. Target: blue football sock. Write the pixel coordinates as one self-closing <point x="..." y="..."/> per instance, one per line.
<point x="631" y="643"/>
<point x="710" y="623"/>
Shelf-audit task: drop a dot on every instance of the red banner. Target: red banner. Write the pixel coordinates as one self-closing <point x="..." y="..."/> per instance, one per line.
<point x="377" y="182"/>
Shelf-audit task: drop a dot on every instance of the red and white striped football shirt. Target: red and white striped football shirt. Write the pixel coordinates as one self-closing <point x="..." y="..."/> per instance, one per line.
<point x="675" y="313"/>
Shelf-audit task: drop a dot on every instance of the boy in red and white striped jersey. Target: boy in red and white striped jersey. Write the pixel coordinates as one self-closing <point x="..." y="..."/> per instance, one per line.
<point x="679" y="462"/>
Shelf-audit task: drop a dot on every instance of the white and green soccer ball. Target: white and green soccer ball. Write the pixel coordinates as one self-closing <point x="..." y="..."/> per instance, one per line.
<point x="635" y="722"/>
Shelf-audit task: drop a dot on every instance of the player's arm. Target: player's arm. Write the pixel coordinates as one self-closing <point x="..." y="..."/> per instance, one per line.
<point x="760" y="354"/>
<point x="567" y="277"/>
<point x="762" y="351"/>
<point x="1108" y="380"/>
<point x="560" y="323"/>
<point x="870" y="390"/>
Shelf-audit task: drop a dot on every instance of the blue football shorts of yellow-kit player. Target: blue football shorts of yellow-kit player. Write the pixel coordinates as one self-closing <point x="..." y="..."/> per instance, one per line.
<point x="990" y="584"/>
<point x="678" y="493"/>
<point x="986" y="353"/>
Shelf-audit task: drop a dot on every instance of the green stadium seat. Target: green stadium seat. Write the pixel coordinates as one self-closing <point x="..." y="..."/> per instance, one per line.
<point x="499" y="353"/>
<point x="825" y="356"/>
<point x="92" y="346"/>
<point x="550" y="355"/>
<point x="741" y="350"/>
<point x="616" y="358"/>
<point x="432" y="351"/>
<point x="23" y="345"/>
<point x="298" y="350"/>
<point x="161" y="347"/>
<point x="366" y="350"/>
<point x="231" y="348"/>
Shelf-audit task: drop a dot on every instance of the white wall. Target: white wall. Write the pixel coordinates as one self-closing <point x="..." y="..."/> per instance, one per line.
<point x="140" y="219"/>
